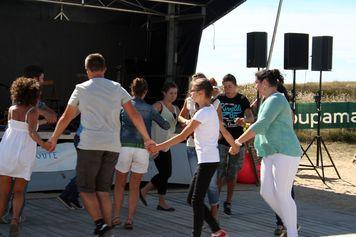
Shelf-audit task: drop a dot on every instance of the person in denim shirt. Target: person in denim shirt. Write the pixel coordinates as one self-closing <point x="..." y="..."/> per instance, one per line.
<point x="133" y="157"/>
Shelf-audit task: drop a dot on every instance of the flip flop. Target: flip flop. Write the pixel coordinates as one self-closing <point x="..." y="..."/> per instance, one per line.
<point x="170" y="209"/>
<point x="116" y="221"/>
<point x="128" y="225"/>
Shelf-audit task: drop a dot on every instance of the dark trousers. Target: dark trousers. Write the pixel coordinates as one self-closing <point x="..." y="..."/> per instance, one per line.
<point x="71" y="192"/>
<point x="197" y="191"/>
<point x="279" y="220"/>
<point x="163" y="164"/>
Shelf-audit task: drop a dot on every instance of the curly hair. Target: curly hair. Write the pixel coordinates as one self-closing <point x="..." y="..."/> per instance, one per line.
<point x="25" y="91"/>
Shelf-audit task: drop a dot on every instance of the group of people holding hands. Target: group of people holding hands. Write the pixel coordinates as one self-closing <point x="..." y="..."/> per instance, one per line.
<point x="119" y="132"/>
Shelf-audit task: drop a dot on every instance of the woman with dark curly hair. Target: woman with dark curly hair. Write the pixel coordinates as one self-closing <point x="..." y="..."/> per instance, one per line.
<point x="18" y="146"/>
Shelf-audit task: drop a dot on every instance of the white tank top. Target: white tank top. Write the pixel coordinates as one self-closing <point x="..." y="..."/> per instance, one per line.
<point x="160" y="135"/>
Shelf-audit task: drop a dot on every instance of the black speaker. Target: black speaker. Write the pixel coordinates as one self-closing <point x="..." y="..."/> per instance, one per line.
<point x="296" y="48"/>
<point x="257" y="49"/>
<point x="322" y="53"/>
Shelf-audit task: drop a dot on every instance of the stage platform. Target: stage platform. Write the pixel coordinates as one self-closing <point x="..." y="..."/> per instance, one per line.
<point x="46" y="217"/>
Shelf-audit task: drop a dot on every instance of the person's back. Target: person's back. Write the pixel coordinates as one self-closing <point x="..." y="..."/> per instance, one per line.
<point x="100" y="103"/>
<point x="129" y="133"/>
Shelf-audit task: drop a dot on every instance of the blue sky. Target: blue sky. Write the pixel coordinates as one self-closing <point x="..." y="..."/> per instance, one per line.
<point x="335" y="18"/>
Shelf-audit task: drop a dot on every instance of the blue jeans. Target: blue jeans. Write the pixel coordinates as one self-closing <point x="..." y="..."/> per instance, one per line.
<point x="213" y="191"/>
<point x="71" y="192"/>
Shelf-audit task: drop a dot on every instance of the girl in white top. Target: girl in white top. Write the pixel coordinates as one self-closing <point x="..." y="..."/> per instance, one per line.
<point x="18" y="145"/>
<point x="163" y="161"/>
<point x="187" y="112"/>
<point x="206" y="126"/>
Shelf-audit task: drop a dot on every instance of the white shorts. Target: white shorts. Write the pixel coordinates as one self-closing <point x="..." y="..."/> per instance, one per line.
<point x="134" y="159"/>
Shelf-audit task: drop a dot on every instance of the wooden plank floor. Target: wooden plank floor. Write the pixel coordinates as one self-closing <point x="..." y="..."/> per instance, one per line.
<point x="46" y="217"/>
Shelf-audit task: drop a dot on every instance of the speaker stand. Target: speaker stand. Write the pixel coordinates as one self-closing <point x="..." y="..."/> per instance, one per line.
<point x="294" y="108"/>
<point x="319" y="143"/>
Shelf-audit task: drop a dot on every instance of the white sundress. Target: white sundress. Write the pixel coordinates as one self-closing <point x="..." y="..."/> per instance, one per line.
<point x="17" y="151"/>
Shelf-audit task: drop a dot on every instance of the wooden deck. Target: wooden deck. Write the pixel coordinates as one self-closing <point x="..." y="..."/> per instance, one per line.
<point x="46" y="217"/>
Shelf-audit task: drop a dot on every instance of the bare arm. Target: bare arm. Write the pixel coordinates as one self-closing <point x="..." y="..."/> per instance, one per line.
<point x="69" y="114"/>
<point x="32" y="120"/>
<point x="157" y="106"/>
<point x="182" y="118"/>
<point x="189" y="129"/>
<point x="248" y="118"/>
<point x="137" y="120"/>
<point x="246" y="136"/>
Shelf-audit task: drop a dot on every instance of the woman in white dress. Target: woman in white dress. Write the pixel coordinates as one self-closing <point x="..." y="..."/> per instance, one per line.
<point x="18" y="145"/>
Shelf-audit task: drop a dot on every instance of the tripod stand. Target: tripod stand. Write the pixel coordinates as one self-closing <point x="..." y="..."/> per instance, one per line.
<point x="319" y="142"/>
<point x="294" y="109"/>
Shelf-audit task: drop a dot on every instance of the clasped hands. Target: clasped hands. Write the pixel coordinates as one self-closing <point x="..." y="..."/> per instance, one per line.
<point x="151" y="147"/>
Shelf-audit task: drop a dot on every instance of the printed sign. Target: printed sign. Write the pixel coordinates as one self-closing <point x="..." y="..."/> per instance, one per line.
<point x="333" y="115"/>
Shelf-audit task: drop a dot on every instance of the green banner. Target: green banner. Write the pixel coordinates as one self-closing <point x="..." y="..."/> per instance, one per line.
<point x="333" y="115"/>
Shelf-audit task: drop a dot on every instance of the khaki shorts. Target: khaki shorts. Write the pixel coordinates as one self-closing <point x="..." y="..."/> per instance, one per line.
<point x="95" y="170"/>
<point x="133" y="159"/>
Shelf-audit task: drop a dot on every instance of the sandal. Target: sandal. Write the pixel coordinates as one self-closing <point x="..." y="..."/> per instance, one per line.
<point x="14" y="229"/>
<point x="128" y="225"/>
<point x="116" y="221"/>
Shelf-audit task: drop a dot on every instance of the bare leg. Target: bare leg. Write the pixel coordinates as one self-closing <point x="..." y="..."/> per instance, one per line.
<point x="18" y="200"/>
<point x="214" y="211"/>
<point x="230" y="190"/>
<point x="162" y="201"/>
<point x="5" y="185"/>
<point x="106" y="206"/>
<point x="92" y="205"/>
<point x="135" y="180"/>
<point x="148" y="187"/>
<point x="119" y="194"/>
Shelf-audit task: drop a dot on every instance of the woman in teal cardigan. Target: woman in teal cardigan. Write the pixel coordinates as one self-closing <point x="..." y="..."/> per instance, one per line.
<point x="277" y="143"/>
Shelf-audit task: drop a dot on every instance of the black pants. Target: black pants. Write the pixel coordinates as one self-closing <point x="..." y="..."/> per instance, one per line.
<point x="279" y="220"/>
<point x="197" y="191"/>
<point x="163" y="164"/>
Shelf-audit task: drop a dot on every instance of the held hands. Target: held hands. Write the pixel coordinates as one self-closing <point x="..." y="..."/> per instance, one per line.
<point x="53" y="143"/>
<point x="233" y="150"/>
<point x="47" y="146"/>
<point x="236" y="148"/>
<point x="150" y="146"/>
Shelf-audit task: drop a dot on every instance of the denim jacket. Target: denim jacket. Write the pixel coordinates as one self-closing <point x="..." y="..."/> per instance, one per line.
<point x="130" y="136"/>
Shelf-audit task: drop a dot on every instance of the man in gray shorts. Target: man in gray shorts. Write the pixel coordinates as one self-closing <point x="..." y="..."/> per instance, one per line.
<point x="99" y="101"/>
<point x="236" y="112"/>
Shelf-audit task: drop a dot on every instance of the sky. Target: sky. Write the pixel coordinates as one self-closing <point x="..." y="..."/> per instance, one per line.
<point x="335" y="18"/>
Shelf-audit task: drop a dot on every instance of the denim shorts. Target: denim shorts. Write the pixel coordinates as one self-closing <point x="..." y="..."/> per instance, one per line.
<point x="229" y="164"/>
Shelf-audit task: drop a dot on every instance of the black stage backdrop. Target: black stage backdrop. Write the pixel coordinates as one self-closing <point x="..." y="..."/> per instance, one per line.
<point x="30" y="35"/>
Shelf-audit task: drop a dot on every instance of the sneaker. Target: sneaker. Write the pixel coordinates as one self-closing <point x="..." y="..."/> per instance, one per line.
<point x="65" y="202"/>
<point x="103" y="231"/>
<point x="227" y="208"/>
<point x="284" y="231"/>
<point x="279" y="229"/>
<point x="220" y="233"/>
<point x="76" y="204"/>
